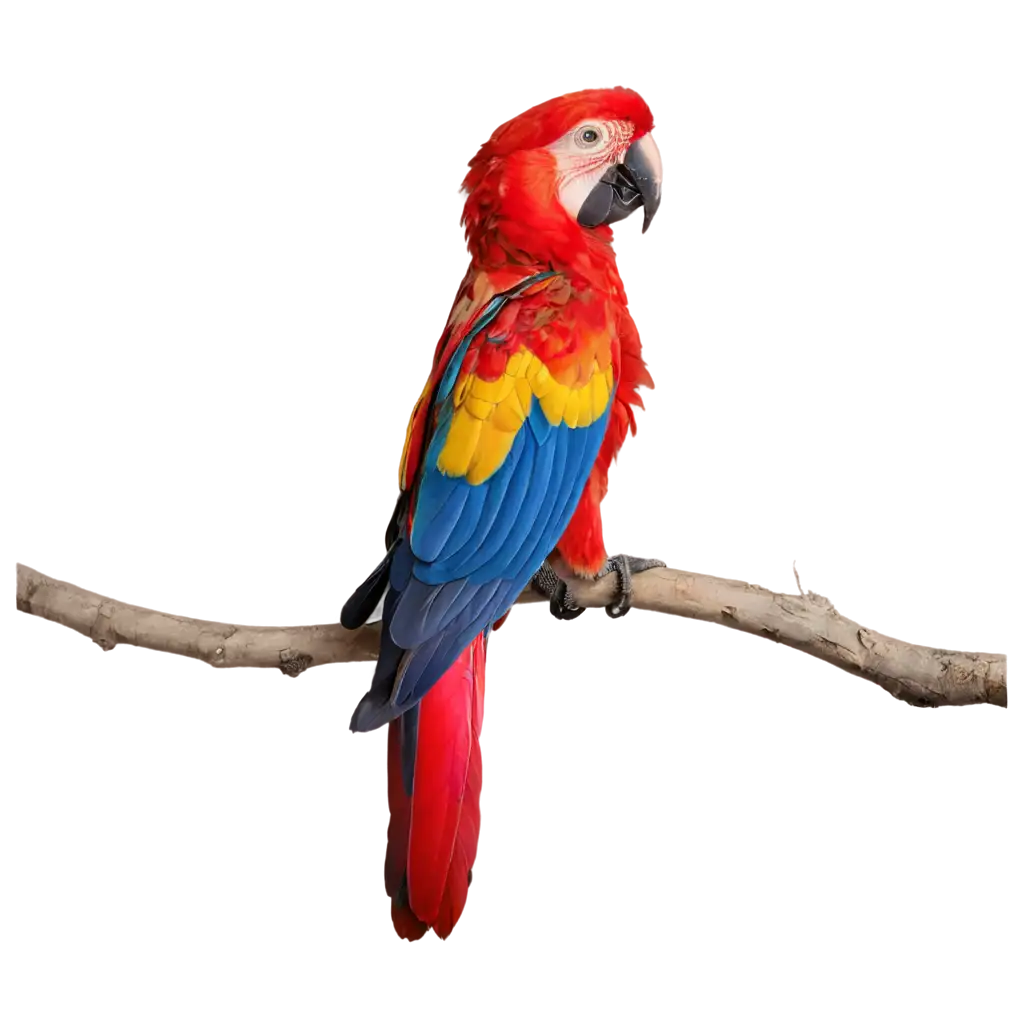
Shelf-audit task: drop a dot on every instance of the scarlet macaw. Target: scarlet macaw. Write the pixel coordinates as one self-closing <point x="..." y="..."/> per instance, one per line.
<point x="505" y="462"/>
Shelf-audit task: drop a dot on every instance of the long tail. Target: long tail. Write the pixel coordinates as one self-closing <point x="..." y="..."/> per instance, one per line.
<point x="434" y="779"/>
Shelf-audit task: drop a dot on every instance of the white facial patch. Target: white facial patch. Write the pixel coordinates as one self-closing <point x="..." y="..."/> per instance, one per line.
<point x="583" y="154"/>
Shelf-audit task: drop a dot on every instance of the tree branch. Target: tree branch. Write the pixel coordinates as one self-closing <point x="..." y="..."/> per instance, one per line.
<point x="922" y="676"/>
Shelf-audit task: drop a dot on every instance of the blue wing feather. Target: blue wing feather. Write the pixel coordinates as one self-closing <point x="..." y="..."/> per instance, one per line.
<point x="539" y="425"/>
<point x="472" y="548"/>
<point x="431" y="542"/>
<point x="423" y="666"/>
<point x="507" y="490"/>
<point x="580" y="447"/>
<point x="560" y="469"/>
<point x="478" y="517"/>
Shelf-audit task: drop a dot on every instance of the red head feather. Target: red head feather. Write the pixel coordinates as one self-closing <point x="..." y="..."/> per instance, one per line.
<point x="512" y="214"/>
<point x="545" y="123"/>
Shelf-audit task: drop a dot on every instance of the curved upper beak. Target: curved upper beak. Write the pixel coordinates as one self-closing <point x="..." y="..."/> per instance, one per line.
<point x="643" y="162"/>
<point x="625" y="187"/>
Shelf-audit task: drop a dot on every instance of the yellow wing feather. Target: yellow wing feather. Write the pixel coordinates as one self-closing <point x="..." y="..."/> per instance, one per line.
<point x="403" y="464"/>
<point x="489" y="414"/>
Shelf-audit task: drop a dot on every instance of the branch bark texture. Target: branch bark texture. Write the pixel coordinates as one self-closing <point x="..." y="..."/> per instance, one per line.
<point x="922" y="676"/>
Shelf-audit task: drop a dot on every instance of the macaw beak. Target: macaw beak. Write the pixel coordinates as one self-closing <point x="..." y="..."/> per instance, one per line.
<point x="625" y="187"/>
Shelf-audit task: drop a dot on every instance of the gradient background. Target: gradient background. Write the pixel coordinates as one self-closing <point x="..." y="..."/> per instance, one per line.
<point x="190" y="264"/>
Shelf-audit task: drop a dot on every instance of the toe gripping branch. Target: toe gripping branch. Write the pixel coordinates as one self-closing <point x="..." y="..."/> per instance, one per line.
<point x="561" y="601"/>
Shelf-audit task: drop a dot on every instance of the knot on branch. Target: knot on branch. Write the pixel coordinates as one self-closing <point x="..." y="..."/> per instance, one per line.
<point x="293" y="662"/>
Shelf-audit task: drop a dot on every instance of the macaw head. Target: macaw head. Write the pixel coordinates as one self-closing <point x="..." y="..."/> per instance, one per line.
<point x="562" y="170"/>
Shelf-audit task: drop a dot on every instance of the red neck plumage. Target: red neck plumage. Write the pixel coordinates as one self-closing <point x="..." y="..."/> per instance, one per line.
<point x="513" y="217"/>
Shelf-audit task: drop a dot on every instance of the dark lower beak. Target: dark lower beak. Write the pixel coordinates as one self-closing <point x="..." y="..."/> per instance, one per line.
<point x="626" y="187"/>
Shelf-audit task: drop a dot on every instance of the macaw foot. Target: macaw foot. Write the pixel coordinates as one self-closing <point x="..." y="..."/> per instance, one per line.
<point x="626" y="567"/>
<point x="560" y="598"/>
<point x="547" y="582"/>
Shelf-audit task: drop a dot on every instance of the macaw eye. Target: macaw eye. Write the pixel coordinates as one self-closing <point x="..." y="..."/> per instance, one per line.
<point x="588" y="136"/>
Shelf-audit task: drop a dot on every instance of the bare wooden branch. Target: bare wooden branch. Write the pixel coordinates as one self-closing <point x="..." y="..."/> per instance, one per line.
<point x="922" y="676"/>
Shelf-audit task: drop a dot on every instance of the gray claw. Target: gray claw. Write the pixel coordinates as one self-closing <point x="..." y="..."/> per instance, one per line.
<point x="560" y="600"/>
<point x="625" y="566"/>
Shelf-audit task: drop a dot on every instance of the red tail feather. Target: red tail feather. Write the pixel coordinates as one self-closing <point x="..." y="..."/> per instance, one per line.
<point x="432" y="835"/>
<point x="465" y="844"/>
